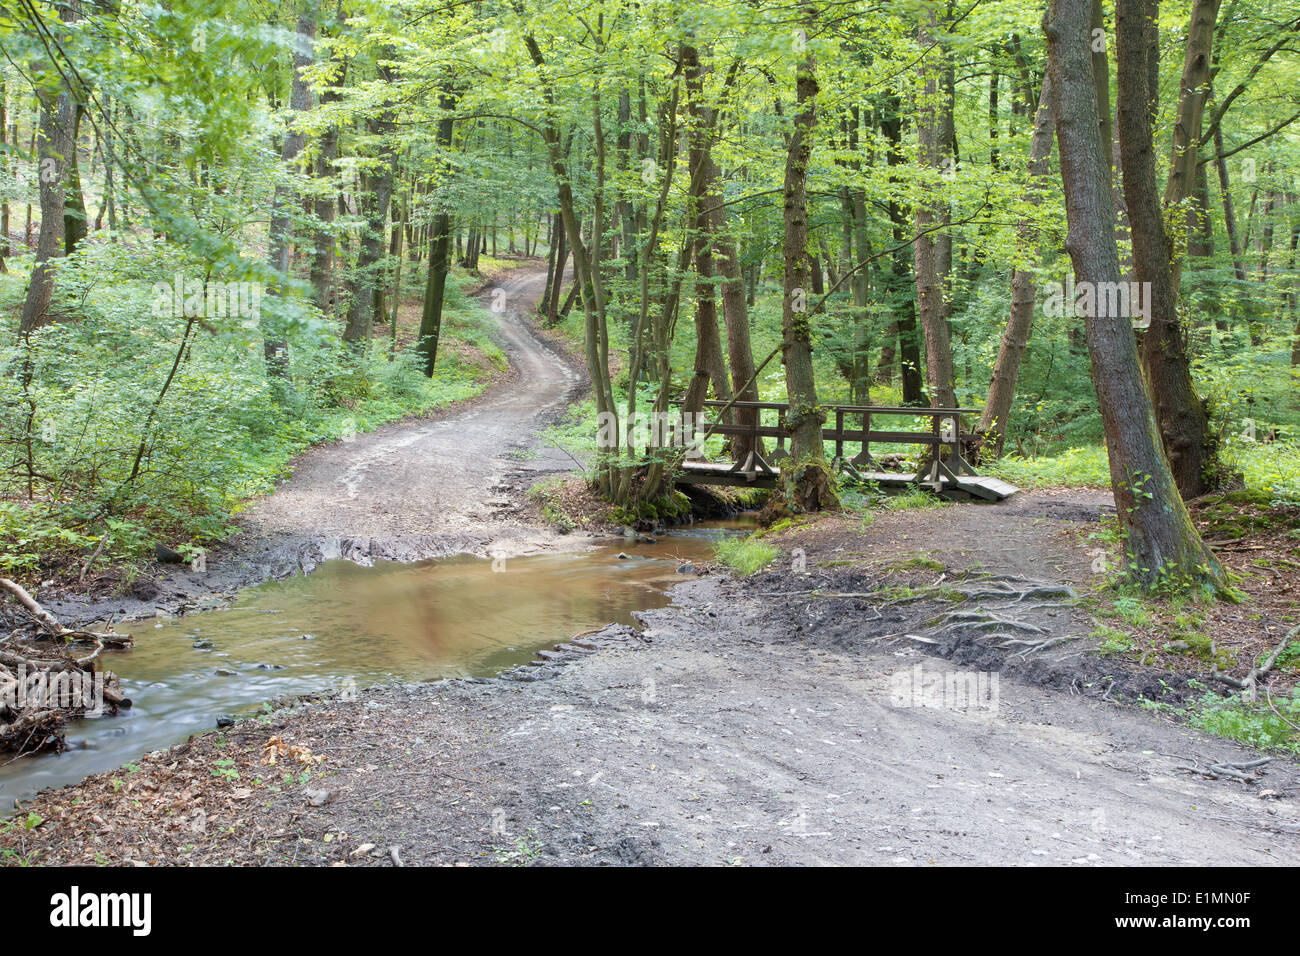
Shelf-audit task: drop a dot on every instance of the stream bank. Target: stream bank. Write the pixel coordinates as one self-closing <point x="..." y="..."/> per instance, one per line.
<point x="773" y="720"/>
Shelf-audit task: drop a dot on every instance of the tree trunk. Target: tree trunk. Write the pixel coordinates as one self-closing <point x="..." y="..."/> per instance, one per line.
<point x="1162" y="546"/>
<point x="374" y="243"/>
<point x="997" y="410"/>
<point x="324" y="207"/>
<point x="54" y="140"/>
<point x="735" y="314"/>
<point x="368" y="294"/>
<point x="279" y="237"/>
<point x="902" y="287"/>
<point x="74" y="208"/>
<point x="551" y="257"/>
<point x="703" y="173"/>
<point x="806" y="481"/>
<point x="1184" y="426"/>
<point x="561" y="260"/>
<point x="931" y="306"/>
<point x="439" y="251"/>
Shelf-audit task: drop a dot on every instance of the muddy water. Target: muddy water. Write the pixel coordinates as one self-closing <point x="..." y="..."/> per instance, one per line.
<point x="456" y="617"/>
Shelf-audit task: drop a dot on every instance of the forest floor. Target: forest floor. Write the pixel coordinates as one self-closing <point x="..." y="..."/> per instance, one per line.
<point x="845" y="706"/>
<point x="921" y="688"/>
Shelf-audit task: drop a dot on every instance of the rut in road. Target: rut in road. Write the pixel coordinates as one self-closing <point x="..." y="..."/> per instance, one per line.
<point x="441" y="476"/>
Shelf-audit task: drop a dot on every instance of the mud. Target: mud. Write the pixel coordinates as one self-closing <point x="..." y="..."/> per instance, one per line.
<point x="731" y="730"/>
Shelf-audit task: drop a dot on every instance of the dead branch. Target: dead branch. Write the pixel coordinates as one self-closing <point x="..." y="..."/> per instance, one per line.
<point x="51" y="623"/>
<point x="40" y="688"/>
<point x="1248" y="684"/>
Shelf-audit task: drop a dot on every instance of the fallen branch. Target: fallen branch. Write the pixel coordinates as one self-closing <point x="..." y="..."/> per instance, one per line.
<point x="51" y="623"/>
<point x="1235" y="770"/>
<point x="1248" y="684"/>
<point x="40" y="688"/>
<point x="43" y="617"/>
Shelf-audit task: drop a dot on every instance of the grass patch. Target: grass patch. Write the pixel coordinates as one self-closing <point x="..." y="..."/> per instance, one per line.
<point x="1132" y="610"/>
<point x="745" y="556"/>
<point x="1113" y="641"/>
<point x="1254" y="723"/>
<point x="1073" y="468"/>
<point x="915" y="498"/>
<point x="915" y="563"/>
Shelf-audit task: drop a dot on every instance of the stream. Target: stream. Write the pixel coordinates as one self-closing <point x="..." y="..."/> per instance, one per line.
<point x="453" y="617"/>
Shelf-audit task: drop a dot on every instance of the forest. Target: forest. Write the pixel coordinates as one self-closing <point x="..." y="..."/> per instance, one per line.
<point x="234" y="230"/>
<point x="643" y="433"/>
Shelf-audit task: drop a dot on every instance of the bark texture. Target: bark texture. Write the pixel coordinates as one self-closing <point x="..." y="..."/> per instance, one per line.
<point x="1162" y="546"/>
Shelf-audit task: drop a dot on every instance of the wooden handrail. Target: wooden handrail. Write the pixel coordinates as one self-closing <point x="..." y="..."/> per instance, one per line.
<point x="872" y="409"/>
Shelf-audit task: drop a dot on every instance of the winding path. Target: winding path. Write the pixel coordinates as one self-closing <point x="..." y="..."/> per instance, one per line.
<point x="443" y="475"/>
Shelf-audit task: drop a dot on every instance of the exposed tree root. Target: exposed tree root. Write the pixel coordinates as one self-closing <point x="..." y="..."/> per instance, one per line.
<point x="1237" y="771"/>
<point x="991" y="606"/>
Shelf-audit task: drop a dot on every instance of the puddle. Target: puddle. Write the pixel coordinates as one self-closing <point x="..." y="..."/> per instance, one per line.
<point x="454" y="617"/>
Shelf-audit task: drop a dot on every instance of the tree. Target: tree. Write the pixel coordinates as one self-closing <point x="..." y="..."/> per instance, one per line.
<point x="280" y="234"/>
<point x="1184" y="424"/>
<point x="1161" y="544"/>
<point x="1002" y="389"/>
<point x="56" y="144"/>
<point x="806" y="482"/>
<point x="934" y="117"/>
<point x="439" y="248"/>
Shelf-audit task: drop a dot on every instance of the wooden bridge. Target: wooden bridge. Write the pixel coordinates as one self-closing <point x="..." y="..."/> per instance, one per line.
<point x="943" y="469"/>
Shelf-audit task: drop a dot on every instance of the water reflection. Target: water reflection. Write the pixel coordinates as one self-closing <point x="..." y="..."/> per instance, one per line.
<point x="449" y="618"/>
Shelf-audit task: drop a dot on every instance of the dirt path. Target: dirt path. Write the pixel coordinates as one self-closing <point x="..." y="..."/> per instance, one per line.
<point x="447" y="476"/>
<point x="448" y="484"/>
<point x="732" y="730"/>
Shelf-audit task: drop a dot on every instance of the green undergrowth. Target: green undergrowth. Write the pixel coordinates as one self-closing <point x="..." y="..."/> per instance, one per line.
<point x="115" y="469"/>
<point x="745" y="556"/>
<point x="1266" y="724"/>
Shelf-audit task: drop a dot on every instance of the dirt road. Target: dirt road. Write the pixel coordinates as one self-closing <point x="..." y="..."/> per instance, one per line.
<point x="449" y="484"/>
<point x="447" y="476"/>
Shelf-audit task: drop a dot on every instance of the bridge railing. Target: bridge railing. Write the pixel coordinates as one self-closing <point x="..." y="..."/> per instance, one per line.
<point x="943" y="441"/>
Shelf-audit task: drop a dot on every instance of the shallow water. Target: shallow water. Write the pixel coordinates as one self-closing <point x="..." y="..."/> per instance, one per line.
<point x="454" y="617"/>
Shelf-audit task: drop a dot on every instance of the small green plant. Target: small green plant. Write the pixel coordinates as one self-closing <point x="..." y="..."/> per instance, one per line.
<point x="745" y="556"/>
<point x="1114" y="642"/>
<point x="915" y="498"/>
<point x="1132" y="610"/>
<point x="522" y="852"/>
<point x="1255" y="723"/>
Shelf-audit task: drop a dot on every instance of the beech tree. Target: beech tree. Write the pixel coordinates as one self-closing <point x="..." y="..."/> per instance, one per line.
<point x="806" y="481"/>
<point x="1161" y="544"/>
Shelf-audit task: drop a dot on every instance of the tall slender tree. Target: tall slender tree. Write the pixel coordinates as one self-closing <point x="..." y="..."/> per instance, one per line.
<point x="1161" y="544"/>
